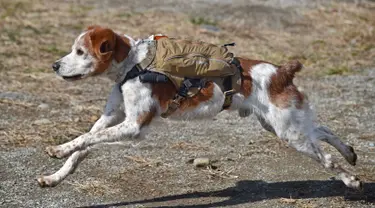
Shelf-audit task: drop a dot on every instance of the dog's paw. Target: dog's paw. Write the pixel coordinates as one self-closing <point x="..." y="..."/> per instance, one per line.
<point x="46" y="181"/>
<point x="355" y="183"/>
<point x="352" y="181"/>
<point x="55" y="152"/>
<point x="351" y="156"/>
<point x="245" y="112"/>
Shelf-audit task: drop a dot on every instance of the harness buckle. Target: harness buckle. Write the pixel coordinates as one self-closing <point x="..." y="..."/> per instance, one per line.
<point x="173" y="106"/>
<point x="228" y="98"/>
<point x="177" y="100"/>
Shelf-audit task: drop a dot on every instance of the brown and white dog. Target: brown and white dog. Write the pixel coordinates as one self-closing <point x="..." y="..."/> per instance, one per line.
<point x="267" y="91"/>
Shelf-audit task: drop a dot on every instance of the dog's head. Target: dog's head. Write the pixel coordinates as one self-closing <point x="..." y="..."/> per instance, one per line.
<point x="92" y="54"/>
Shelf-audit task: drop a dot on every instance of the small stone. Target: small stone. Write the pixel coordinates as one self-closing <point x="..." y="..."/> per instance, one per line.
<point x="251" y="142"/>
<point x="42" y="121"/>
<point x="43" y="106"/>
<point x="94" y="118"/>
<point x="211" y="28"/>
<point x="371" y="144"/>
<point x="201" y="162"/>
<point x="288" y="201"/>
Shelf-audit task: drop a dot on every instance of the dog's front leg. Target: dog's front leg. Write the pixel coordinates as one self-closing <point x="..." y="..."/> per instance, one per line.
<point x="140" y="110"/>
<point x="112" y="115"/>
<point x="126" y="129"/>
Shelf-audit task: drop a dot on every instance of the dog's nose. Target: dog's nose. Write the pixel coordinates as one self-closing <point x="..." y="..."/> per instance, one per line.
<point x="56" y="66"/>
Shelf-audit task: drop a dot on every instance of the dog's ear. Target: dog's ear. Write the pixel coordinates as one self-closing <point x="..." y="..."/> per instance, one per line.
<point x="105" y="47"/>
<point x="106" y="44"/>
<point x="122" y="48"/>
<point x="91" y="27"/>
<point x="103" y="41"/>
<point x="106" y="50"/>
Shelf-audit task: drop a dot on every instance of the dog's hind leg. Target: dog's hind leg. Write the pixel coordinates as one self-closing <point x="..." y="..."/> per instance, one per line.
<point x="325" y="134"/>
<point x="266" y="125"/>
<point x="308" y="145"/>
<point x="245" y="112"/>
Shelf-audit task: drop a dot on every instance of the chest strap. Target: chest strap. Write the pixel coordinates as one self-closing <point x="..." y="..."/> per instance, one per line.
<point x="134" y="72"/>
<point x="182" y="93"/>
<point x="228" y="92"/>
<point x="145" y="76"/>
<point x="228" y="84"/>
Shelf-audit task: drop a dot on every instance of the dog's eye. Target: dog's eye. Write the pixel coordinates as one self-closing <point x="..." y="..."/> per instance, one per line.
<point x="79" y="52"/>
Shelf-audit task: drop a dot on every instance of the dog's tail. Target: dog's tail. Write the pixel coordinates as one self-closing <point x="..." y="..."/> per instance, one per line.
<point x="290" y="69"/>
<point x="283" y="78"/>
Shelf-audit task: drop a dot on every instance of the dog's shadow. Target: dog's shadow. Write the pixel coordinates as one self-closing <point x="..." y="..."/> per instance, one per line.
<point x="252" y="191"/>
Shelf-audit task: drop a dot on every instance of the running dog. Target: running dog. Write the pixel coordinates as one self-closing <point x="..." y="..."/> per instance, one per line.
<point x="267" y="90"/>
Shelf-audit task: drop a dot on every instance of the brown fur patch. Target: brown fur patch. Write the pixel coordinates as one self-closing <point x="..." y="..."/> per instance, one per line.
<point x="105" y="45"/>
<point x="282" y="91"/>
<point x="247" y="64"/>
<point x="122" y="48"/>
<point x="203" y="95"/>
<point x="165" y="92"/>
<point x="146" y="118"/>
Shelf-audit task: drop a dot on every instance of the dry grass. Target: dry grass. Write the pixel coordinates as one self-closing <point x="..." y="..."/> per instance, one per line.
<point x="339" y="37"/>
<point x="94" y="187"/>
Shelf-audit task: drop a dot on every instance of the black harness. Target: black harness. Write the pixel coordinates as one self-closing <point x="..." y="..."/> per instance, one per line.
<point x="145" y="76"/>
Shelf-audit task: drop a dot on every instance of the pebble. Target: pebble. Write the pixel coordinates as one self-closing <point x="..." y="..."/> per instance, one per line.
<point x="201" y="162"/>
<point x="210" y="28"/>
<point x="42" y="121"/>
<point x="371" y="144"/>
<point x="94" y="118"/>
<point x="43" y="106"/>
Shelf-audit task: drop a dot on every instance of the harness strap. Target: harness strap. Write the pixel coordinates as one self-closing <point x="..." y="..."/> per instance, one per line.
<point x="228" y="92"/>
<point x="228" y="85"/>
<point x="134" y="72"/>
<point x="182" y="94"/>
<point x="173" y="106"/>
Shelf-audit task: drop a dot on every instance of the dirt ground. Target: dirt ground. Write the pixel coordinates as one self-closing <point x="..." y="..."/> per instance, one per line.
<point x="335" y="40"/>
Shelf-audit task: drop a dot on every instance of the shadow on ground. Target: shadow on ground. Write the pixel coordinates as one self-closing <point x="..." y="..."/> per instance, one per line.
<point x="253" y="191"/>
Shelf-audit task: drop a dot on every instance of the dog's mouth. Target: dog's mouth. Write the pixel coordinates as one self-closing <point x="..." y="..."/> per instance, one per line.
<point x="74" y="77"/>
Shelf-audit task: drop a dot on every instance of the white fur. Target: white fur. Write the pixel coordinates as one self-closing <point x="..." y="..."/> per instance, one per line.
<point x="75" y="64"/>
<point x="205" y="109"/>
<point x="294" y="125"/>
